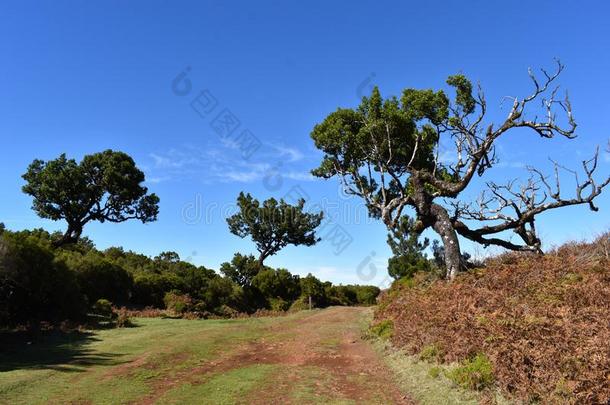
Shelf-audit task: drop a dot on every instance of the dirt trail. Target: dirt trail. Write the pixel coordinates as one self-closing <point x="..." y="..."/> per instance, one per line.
<point x="321" y="358"/>
<point x="329" y="341"/>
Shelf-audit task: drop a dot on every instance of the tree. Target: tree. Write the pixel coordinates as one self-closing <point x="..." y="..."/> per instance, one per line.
<point x="273" y="225"/>
<point x="105" y="186"/>
<point x="312" y="287"/>
<point x="409" y="256"/>
<point x="242" y="269"/>
<point x="278" y="283"/>
<point x="387" y="153"/>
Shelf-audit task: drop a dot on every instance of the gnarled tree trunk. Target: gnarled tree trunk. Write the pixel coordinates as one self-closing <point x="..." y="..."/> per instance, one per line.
<point x="443" y="226"/>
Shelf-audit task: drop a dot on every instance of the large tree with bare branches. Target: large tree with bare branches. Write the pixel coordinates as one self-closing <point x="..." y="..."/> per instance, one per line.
<point x="387" y="153"/>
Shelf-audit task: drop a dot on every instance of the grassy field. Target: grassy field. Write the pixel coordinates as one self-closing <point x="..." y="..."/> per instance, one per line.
<point x="308" y="357"/>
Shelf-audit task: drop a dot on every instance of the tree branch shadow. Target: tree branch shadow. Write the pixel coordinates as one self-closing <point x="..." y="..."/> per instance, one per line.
<point x="56" y="350"/>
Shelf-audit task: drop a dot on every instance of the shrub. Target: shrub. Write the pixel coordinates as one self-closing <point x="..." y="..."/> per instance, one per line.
<point x="34" y="286"/>
<point x="177" y="303"/>
<point x="301" y="304"/>
<point x="312" y="287"/>
<point x="103" y="307"/>
<point x="149" y="288"/>
<point x="99" y="278"/>
<point x="474" y="373"/>
<point x="367" y="294"/>
<point x="277" y="284"/>
<point x="383" y="329"/>
<point x="278" y="304"/>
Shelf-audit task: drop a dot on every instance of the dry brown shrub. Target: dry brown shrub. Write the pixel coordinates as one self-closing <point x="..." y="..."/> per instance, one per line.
<point x="543" y="321"/>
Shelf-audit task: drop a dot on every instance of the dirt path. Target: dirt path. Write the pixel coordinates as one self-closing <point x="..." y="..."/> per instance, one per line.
<point x="340" y="364"/>
<point x="320" y="357"/>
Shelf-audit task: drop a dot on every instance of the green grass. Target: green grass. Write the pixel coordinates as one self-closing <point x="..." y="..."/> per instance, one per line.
<point x="117" y="365"/>
<point x="225" y="388"/>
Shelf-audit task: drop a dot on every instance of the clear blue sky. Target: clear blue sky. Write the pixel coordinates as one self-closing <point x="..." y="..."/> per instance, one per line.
<point x="80" y="77"/>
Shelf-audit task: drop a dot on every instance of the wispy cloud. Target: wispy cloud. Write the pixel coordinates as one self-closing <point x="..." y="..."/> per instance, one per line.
<point x="225" y="165"/>
<point x="292" y="154"/>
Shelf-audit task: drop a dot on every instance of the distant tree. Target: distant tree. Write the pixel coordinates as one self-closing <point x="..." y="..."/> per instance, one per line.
<point x="273" y="225"/>
<point x="409" y="256"/>
<point x="169" y="257"/>
<point x="100" y="278"/>
<point x="387" y="153"/>
<point x="312" y="287"/>
<point x="104" y="186"/>
<point x="278" y="283"/>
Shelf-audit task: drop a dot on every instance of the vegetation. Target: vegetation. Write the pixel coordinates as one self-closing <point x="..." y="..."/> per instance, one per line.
<point x="475" y="373"/>
<point x="105" y="186"/>
<point x="273" y="225"/>
<point x="386" y="152"/>
<point x="524" y="322"/>
<point x="41" y="282"/>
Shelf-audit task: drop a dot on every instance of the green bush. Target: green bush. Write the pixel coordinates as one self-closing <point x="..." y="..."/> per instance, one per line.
<point x="383" y="329"/>
<point x="99" y="278"/>
<point x="34" y="286"/>
<point x="300" y="304"/>
<point x="278" y="304"/>
<point x="103" y="307"/>
<point x="177" y="303"/>
<point x="149" y="288"/>
<point x="277" y="284"/>
<point x="475" y="373"/>
<point x="312" y="287"/>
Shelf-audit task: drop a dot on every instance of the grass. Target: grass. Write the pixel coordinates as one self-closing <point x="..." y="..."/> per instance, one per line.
<point x="124" y="364"/>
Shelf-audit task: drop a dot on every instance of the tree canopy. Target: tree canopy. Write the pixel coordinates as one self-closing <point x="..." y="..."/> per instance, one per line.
<point x="105" y="186"/>
<point x="386" y="151"/>
<point x="274" y="224"/>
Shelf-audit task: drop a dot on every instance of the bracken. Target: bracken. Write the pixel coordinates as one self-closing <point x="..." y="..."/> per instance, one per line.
<point x="542" y="321"/>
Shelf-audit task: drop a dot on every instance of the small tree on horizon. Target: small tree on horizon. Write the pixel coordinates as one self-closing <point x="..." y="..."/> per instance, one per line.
<point x="387" y="152"/>
<point x="274" y="224"/>
<point x="104" y="186"/>
<point x="408" y="252"/>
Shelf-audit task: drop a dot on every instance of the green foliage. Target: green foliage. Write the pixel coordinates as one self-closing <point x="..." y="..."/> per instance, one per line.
<point x="367" y="294"/>
<point x="100" y="278"/>
<point x="33" y="284"/>
<point x="242" y="269"/>
<point x="105" y="186"/>
<point x="39" y="282"/>
<point x="377" y="132"/>
<point x="177" y="303"/>
<point x="409" y="257"/>
<point x="278" y="304"/>
<point x="475" y="373"/>
<point x="277" y="284"/>
<point x="103" y="308"/>
<point x="383" y="329"/>
<point x="149" y="288"/>
<point x="273" y="225"/>
<point x="312" y="287"/>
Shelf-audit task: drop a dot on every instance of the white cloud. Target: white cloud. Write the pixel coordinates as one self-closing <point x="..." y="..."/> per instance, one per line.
<point x="224" y="166"/>
<point x="293" y="154"/>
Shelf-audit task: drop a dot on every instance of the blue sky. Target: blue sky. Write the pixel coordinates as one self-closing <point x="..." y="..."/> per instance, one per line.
<point x="83" y="77"/>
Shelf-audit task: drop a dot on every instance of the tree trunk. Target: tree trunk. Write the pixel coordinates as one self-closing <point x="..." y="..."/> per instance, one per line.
<point x="71" y="236"/>
<point x="442" y="225"/>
